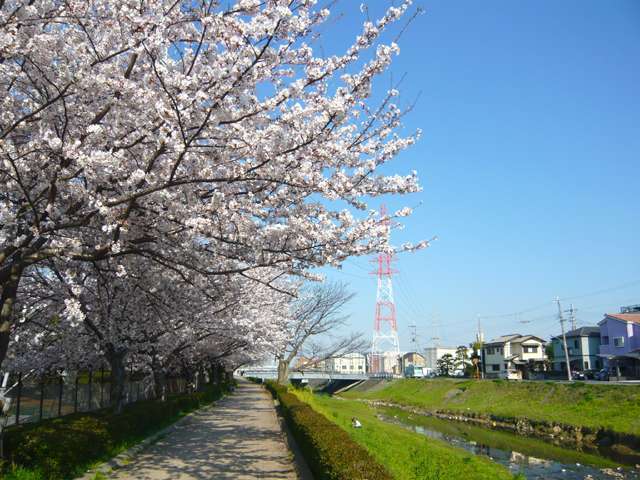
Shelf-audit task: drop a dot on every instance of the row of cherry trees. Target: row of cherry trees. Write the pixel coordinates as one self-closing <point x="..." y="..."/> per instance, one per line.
<point x="169" y="168"/>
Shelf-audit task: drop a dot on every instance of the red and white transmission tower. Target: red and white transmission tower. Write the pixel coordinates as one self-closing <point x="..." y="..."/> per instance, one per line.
<point x="385" y="348"/>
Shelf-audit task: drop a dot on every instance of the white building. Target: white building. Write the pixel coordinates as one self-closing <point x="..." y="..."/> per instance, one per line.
<point x="513" y="356"/>
<point x="433" y="354"/>
<point x="349" y="363"/>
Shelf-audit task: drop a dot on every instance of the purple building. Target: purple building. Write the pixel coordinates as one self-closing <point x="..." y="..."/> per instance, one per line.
<point x="620" y="343"/>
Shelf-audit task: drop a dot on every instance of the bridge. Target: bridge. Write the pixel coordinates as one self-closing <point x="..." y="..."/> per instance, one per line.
<point x="271" y="373"/>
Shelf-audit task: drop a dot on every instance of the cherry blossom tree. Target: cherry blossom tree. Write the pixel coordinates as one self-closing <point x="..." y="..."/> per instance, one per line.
<point x="148" y="319"/>
<point x="315" y="315"/>
<point x="206" y="136"/>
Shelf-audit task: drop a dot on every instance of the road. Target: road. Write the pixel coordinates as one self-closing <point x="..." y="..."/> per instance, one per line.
<point x="237" y="438"/>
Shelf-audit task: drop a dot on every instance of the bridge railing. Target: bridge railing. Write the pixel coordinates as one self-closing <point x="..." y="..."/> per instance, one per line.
<point x="272" y="373"/>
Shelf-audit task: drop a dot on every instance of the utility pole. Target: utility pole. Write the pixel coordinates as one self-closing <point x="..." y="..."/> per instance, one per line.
<point x="434" y="327"/>
<point x="572" y="317"/>
<point x="479" y="335"/>
<point x="414" y="337"/>
<point x="564" y="339"/>
<point x="480" y="351"/>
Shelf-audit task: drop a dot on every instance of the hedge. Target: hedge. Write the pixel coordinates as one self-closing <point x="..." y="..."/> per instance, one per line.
<point x="65" y="447"/>
<point x="329" y="451"/>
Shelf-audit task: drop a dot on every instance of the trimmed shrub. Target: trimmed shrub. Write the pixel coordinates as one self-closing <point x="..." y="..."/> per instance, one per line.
<point x="64" y="447"/>
<point x="329" y="451"/>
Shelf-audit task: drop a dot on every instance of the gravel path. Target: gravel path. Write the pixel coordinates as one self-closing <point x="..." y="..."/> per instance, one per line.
<point x="238" y="438"/>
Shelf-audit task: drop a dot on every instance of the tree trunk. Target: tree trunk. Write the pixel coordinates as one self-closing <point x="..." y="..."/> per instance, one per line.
<point x="116" y="358"/>
<point x="212" y="374"/>
<point x="159" y="380"/>
<point x="283" y="371"/>
<point x="7" y="303"/>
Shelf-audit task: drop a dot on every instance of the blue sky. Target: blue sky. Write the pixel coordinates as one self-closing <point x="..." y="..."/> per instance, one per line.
<point x="530" y="163"/>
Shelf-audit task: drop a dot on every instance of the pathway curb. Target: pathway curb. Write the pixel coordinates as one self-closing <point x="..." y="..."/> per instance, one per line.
<point x="299" y="462"/>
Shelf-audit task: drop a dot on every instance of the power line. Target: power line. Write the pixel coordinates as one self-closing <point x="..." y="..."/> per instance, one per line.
<point x="606" y="290"/>
<point x="542" y="305"/>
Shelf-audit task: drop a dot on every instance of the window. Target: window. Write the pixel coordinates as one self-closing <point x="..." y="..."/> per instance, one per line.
<point x="605" y="340"/>
<point x="359" y="367"/>
<point x="344" y="367"/>
<point x="489" y="351"/>
<point x="586" y="365"/>
<point x="618" y="341"/>
<point x="576" y="345"/>
<point x="530" y="348"/>
<point x="495" y="367"/>
<point x="506" y="366"/>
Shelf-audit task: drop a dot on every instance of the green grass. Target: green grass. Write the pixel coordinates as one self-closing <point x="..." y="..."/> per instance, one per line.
<point x="19" y="473"/>
<point x="507" y="441"/>
<point x="407" y="455"/>
<point x="615" y="407"/>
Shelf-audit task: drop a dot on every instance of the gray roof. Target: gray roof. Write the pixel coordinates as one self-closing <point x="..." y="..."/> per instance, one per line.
<point x="504" y="338"/>
<point x="513" y="337"/>
<point x="582" y="332"/>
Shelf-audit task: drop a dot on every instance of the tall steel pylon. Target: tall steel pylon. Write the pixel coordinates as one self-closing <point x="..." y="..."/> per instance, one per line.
<point x="385" y="347"/>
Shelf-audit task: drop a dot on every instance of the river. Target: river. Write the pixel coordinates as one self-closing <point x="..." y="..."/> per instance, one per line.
<point x="535" y="458"/>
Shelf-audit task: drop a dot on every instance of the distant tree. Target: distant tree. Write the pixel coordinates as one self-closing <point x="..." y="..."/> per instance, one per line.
<point x="548" y="350"/>
<point x="317" y="312"/>
<point x="462" y="358"/>
<point x="445" y="365"/>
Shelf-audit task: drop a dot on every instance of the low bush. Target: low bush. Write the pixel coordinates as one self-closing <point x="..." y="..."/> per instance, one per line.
<point x="329" y="451"/>
<point x="64" y="447"/>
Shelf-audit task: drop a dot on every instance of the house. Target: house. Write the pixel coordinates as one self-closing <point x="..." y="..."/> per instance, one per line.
<point x="413" y="364"/>
<point x="620" y="343"/>
<point x="412" y="358"/>
<point x="583" y="347"/>
<point x="514" y="356"/>
<point x="348" y="363"/>
<point x="306" y="363"/>
<point x="385" y="364"/>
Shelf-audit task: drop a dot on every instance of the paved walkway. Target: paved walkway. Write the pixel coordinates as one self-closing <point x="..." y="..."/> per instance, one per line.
<point x="239" y="438"/>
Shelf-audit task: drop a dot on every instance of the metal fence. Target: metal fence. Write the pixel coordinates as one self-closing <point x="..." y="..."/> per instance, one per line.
<point x="37" y="398"/>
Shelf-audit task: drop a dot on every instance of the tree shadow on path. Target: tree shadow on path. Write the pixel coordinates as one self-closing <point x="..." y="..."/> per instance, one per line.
<point x="238" y="438"/>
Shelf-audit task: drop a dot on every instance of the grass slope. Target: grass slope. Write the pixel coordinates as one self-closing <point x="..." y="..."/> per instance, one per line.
<point x="407" y="455"/>
<point x="616" y="407"/>
<point x="503" y="440"/>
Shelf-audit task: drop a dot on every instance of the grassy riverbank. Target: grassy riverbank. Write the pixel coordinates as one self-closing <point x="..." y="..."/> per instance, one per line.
<point x="507" y="441"/>
<point x="615" y="407"/>
<point x="407" y="455"/>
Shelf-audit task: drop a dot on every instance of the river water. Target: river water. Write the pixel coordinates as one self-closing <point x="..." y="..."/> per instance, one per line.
<point x="535" y="458"/>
